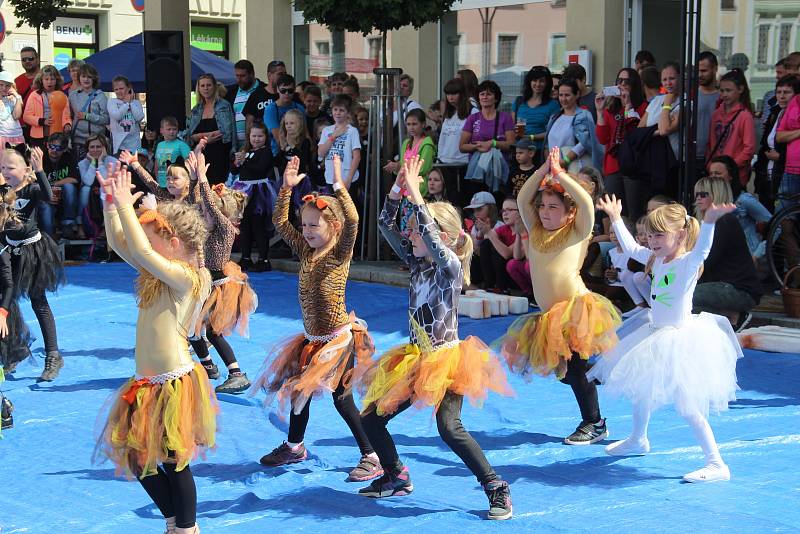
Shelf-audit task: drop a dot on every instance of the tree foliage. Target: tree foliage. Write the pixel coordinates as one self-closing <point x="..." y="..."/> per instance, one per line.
<point x="38" y="14"/>
<point x="366" y="16"/>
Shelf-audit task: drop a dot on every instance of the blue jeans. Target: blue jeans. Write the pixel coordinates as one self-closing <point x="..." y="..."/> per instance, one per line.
<point x="790" y="185"/>
<point x="86" y="192"/>
<point x="69" y="210"/>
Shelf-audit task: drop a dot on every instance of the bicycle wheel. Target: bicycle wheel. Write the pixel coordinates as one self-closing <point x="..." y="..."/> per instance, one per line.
<point x="783" y="237"/>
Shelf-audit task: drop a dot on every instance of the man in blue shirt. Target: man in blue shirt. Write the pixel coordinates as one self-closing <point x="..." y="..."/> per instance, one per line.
<point x="275" y="111"/>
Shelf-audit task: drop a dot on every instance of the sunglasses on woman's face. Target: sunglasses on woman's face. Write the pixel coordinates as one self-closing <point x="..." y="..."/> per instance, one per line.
<point x="626" y="81"/>
<point x="701" y="194"/>
<point x="55" y="148"/>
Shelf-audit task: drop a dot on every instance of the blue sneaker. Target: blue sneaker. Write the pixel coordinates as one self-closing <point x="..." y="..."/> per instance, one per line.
<point x="389" y="486"/>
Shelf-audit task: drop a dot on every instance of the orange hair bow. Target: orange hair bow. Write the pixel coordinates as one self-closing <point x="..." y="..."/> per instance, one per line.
<point x="549" y="183"/>
<point x="320" y="203"/>
<point x="219" y="189"/>
<point x="153" y="216"/>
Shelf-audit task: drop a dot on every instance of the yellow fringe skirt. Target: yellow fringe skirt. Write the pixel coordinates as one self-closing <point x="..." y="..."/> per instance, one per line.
<point x="152" y="423"/>
<point x="544" y="342"/>
<point x="406" y="373"/>
<point x="298" y="369"/>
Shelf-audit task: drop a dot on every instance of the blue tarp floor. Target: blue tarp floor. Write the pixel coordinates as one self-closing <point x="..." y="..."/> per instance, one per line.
<point x="48" y="484"/>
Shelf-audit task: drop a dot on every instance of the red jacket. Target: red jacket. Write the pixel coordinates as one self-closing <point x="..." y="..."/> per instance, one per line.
<point x="739" y="142"/>
<point x="605" y="136"/>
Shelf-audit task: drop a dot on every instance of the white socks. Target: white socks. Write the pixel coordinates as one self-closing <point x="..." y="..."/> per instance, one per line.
<point x="715" y="469"/>
<point x="637" y="442"/>
<point x="293" y="446"/>
<point x="629" y="447"/>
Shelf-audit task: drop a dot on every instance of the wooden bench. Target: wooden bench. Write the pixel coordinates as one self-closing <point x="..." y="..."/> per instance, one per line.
<point x="64" y="243"/>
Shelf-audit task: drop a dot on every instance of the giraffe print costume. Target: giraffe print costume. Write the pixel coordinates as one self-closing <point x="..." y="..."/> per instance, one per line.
<point x="435" y="361"/>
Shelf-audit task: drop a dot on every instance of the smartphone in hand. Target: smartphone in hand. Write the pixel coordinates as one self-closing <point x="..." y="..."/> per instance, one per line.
<point x="611" y="90"/>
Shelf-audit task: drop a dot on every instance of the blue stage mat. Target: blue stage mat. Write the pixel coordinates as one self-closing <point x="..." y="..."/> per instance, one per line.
<point x="48" y="485"/>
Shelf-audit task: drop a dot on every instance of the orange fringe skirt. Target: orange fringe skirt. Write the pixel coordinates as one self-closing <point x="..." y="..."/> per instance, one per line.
<point x="544" y="342"/>
<point x="230" y="303"/>
<point x="301" y="369"/>
<point x="151" y="423"/>
<point x="406" y="373"/>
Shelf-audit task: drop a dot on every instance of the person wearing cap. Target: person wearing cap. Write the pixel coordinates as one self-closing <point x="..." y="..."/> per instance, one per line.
<point x="10" y="111"/>
<point x="484" y="218"/>
<point x="522" y="168"/>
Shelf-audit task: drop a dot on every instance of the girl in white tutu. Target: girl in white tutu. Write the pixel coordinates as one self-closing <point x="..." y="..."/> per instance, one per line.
<point x="676" y="357"/>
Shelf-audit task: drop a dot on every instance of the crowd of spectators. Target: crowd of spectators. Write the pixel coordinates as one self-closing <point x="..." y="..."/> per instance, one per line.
<point x="477" y="155"/>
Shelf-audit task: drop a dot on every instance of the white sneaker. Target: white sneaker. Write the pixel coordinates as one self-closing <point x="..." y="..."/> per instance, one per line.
<point x="628" y="447"/>
<point x="709" y="473"/>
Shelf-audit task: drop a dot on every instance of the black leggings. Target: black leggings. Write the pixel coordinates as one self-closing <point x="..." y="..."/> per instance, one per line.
<point x="346" y="406"/>
<point x="258" y="227"/>
<point x="46" y="320"/>
<point x="493" y="268"/>
<point x="585" y="390"/>
<point x="448" y="422"/>
<point x="219" y="342"/>
<point x="174" y="493"/>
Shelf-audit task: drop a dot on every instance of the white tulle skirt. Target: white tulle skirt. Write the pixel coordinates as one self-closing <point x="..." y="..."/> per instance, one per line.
<point x="692" y="366"/>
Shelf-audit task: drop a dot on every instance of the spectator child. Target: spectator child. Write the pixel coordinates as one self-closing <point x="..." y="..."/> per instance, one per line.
<point x="297" y="144"/>
<point x="277" y="109"/>
<point x="419" y="144"/>
<point x="47" y="108"/>
<point x="312" y="101"/>
<point x="522" y="168"/>
<point x="168" y="150"/>
<point x="126" y="113"/>
<point x="89" y="109"/>
<point x="732" y="131"/>
<point x="341" y="139"/>
<point x="10" y="112"/>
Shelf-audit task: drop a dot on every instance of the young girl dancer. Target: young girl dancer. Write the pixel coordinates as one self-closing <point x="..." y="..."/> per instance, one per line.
<point x="321" y="358"/>
<point x="178" y="179"/>
<point x="165" y="415"/>
<point x="255" y="171"/>
<point x="435" y="368"/>
<point x="15" y="339"/>
<point x="232" y="299"/>
<point x="659" y="363"/>
<point x="574" y="323"/>
<point x="35" y="263"/>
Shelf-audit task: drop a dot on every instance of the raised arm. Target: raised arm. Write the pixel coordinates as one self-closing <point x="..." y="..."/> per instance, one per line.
<point x="387" y="220"/>
<point x="584" y="205"/>
<point x="196" y="164"/>
<point x="114" y="235"/>
<point x="280" y="218"/>
<point x="150" y="183"/>
<point x="350" y="224"/>
<point x="613" y="207"/>
<point x="526" y="196"/>
<point x="172" y="273"/>
<point x="37" y="157"/>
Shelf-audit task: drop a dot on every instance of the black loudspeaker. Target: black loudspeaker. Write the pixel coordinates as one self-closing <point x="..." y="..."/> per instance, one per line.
<point x="163" y="70"/>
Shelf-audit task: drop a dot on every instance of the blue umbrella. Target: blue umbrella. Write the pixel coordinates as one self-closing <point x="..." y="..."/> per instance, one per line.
<point x="127" y="59"/>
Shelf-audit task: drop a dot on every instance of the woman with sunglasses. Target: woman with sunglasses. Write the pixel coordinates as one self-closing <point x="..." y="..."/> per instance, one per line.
<point x="532" y="110"/>
<point x="212" y="119"/>
<point x="729" y="284"/>
<point x="616" y="116"/>
<point x="321" y="358"/>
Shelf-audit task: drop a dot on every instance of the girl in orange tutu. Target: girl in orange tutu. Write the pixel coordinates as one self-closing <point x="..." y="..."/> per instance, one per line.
<point x="436" y="368"/>
<point x="165" y="415"/>
<point x="321" y="358"/>
<point x="232" y="300"/>
<point x="575" y="323"/>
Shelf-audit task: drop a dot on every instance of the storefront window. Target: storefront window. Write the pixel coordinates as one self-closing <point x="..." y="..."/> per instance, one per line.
<point x="211" y="38"/>
<point x="320" y="52"/>
<point x="73" y="38"/>
<point x="503" y="43"/>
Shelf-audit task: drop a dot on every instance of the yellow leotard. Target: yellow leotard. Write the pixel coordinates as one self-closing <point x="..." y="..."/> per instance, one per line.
<point x="165" y="323"/>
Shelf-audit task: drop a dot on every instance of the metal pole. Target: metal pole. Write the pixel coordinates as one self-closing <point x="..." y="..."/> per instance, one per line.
<point x="687" y="133"/>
